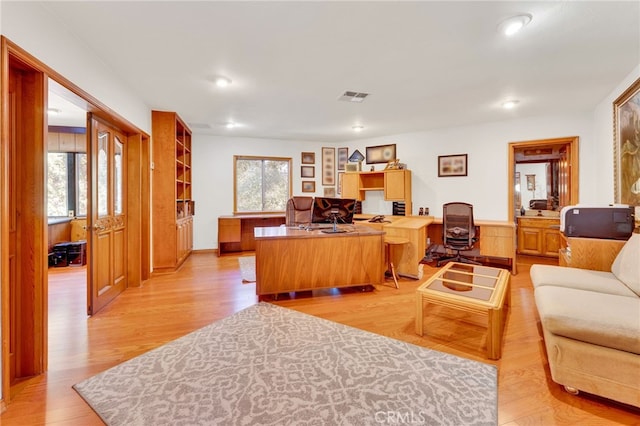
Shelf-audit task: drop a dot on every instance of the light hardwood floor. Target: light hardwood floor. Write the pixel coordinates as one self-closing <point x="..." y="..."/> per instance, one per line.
<point x="208" y="288"/>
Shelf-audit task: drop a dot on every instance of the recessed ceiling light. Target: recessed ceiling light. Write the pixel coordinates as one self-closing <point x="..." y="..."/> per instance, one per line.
<point x="222" y="81"/>
<point x="510" y="104"/>
<point x="512" y="25"/>
<point x="231" y="125"/>
<point x="358" y="128"/>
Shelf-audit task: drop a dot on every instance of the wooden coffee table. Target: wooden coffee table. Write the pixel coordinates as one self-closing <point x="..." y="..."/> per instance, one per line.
<point x="471" y="288"/>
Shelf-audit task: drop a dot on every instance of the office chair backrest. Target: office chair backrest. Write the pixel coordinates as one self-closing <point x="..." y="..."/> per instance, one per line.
<point x="458" y="226"/>
<point x="299" y="211"/>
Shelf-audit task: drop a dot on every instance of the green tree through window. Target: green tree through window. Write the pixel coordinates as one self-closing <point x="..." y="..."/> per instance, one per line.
<point x="262" y="184"/>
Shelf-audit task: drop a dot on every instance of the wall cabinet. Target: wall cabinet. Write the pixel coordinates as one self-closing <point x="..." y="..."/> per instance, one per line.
<point x="172" y="203"/>
<point x="539" y="236"/>
<point x="396" y="185"/>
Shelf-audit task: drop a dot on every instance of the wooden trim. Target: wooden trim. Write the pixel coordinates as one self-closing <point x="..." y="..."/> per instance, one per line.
<point x="12" y="55"/>
<point x="213" y="251"/>
<point x="4" y="216"/>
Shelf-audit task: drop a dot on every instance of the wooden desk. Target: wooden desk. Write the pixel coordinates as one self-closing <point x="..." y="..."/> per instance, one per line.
<point x="414" y="229"/>
<point x="497" y="239"/>
<point x="292" y="259"/>
<point x="235" y="233"/>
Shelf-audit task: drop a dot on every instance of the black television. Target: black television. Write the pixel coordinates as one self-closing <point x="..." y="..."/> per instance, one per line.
<point x="333" y="210"/>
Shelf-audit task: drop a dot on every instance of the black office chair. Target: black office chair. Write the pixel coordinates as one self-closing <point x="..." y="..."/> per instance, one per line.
<point x="458" y="231"/>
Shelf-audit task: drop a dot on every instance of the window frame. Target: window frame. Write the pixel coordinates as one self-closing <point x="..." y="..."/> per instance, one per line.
<point x="237" y="158"/>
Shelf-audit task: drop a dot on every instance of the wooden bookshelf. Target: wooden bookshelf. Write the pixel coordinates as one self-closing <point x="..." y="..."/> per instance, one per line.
<point x="173" y="206"/>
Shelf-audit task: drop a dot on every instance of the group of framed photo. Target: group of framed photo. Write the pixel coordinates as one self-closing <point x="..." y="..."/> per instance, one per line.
<point x="329" y="165"/>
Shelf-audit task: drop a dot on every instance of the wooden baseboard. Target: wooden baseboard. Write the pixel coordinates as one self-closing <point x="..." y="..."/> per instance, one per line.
<point x="215" y="251"/>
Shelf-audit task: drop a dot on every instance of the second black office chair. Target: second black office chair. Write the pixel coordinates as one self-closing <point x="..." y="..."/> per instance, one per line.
<point x="458" y="231"/>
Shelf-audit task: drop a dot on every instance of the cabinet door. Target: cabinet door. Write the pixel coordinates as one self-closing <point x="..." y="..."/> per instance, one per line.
<point x="551" y="242"/>
<point x="530" y="241"/>
<point x="350" y="187"/>
<point x="394" y="188"/>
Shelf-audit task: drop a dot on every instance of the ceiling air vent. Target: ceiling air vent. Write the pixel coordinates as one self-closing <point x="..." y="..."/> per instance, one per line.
<point x="350" y="96"/>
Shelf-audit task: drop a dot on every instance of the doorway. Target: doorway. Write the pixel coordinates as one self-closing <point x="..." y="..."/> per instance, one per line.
<point x="24" y="233"/>
<point x="67" y="192"/>
<point x="543" y="178"/>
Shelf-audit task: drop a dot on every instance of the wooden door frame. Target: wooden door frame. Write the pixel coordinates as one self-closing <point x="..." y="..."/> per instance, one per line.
<point x="571" y="141"/>
<point x="138" y="203"/>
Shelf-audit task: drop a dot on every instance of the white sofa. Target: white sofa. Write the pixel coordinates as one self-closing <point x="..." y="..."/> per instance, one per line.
<point x="591" y="325"/>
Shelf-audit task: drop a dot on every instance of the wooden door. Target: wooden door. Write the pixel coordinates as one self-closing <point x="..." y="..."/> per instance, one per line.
<point x="107" y="224"/>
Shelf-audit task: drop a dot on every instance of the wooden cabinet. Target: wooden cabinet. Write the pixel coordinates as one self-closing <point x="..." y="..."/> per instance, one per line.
<point x="396" y="185"/>
<point x="185" y="238"/>
<point x="589" y="253"/>
<point x="539" y="236"/>
<point x="172" y="202"/>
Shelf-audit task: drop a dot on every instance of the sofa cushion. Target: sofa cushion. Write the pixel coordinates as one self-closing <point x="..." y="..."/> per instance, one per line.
<point x="601" y="319"/>
<point x="626" y="266"/>
<point x="580" y="279"/>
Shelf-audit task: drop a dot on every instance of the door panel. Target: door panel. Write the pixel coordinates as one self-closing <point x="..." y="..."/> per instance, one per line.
<point x="107" y="224"/>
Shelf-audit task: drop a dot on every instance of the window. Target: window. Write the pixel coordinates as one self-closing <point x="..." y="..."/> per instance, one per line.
<point x="57" y="184"/>
<point x="66" y="183"/>
<point x="262" y="184"/>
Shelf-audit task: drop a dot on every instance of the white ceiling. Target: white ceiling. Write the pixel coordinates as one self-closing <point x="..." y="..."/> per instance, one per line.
<point x="425" y="64"/>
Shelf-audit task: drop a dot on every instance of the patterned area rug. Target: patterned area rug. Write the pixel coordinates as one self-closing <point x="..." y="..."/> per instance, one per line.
<point x="268" y="365"/>
<point x="247" y="268"/>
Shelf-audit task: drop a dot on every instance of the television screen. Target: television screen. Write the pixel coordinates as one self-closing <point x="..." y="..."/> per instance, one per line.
<point x="326" y="210"/>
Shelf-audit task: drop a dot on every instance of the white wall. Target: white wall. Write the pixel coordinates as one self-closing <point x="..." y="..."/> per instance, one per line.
<point x="34" y="29"/>
<point x="212" y="164"/>
<point x="485" y="186"/>
<point x="486" y="145"/>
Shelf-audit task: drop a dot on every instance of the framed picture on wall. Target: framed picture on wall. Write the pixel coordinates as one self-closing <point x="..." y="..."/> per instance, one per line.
<point x="308" y="158"/>
<point x="307" y="171"/>
<point x="343" y="158"/>
<point x="308" y="186"/>
<point x="329" y="191"/>
<point x="381" y="153"/>
<point x="328" y="166"/>
<point x="626" y="148"/>
<point x="452" y="165"/>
